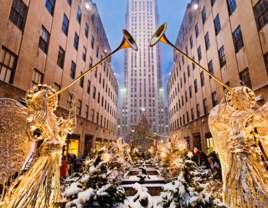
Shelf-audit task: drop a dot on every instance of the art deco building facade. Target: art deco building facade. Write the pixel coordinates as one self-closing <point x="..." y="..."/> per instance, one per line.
<point x="228" y="38"/>
<point x="142" y="77"/>
<point x="53" y="42"/>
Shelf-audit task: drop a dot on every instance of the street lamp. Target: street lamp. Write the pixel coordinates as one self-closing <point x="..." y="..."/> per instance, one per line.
<point x="195" y="6"/>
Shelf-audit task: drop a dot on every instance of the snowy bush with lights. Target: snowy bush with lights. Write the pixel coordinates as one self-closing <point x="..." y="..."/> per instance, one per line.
<point x="187" y="191"/>
<point x="94" y="188"/>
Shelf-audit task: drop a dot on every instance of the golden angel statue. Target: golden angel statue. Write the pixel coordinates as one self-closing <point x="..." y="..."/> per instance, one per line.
<point x="39" y="186"/>
<point x="240" y="133"/>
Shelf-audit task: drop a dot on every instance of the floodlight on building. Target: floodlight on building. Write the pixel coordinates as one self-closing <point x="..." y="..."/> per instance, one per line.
<point x="88" y="6"/>
<point x="195" y="6"/>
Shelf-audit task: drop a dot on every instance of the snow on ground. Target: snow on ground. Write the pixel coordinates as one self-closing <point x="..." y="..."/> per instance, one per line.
<point x="156" y="199"/>
<point x="153" y="177"/>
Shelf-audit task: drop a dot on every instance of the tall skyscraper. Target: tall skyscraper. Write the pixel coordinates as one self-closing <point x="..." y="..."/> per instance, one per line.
<point x="142" y="82"/>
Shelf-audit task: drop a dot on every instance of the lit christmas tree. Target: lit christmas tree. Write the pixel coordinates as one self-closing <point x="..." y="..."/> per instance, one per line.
<point x="143" y="133"/>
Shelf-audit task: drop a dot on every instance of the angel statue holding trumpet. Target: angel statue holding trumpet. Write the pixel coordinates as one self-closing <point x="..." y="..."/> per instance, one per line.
<point x="39" y="186"/>
<point x="240" y="132"/>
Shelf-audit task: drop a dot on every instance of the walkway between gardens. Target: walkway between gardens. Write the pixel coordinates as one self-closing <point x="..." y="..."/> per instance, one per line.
<point x="154" y="184"/>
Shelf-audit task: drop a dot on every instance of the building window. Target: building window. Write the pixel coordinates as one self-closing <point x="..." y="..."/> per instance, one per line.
<point x="191" y="42"/>
<point x="197" y="111"/>
<point x="192" y="114"/>
<point x="205" y="106"/>
<point x="82" y="81"/>
<point x="214" y="99"/>
<point x="100" y="78"/>
<point x="210" y="68"/>
<point x="50" y="6"/>
<point x="207" y="41"/>
<point x="182" y="58"/>
<point x="61" y="55"/>
<point x="76" y="40"/>
<point x="195" y="86"/>
<point x="92" y="115"/>
<point x="69" y="101"/>
<point x="196" y="30"/>
<point x="86" y="30"/>
<point x="238" y="39"/>
<point x="245" y="78"/>
<point x="182" y="101"/>
<point x="188" y="71"/>
<point x="94" y="92"/>
<point x="183" y="119"/>
<point x="65" y="24"/>
<point x="187" y="116"/>
<point x="213" y="2"/>
<point x="88" y="86"/>
<point x="187" y="50"/>
<point x="190" y="91"/>
<point x="204" y="15"/>
<point x="202" y="78"/>
<point x="186" y="97"/>
<point x="92" y="42"/>
<point x="266" y="62"/>
<point x="44" y="39"/>
<point x="78" y="16"/>
<point x="193" y="65"/>
<point x="73" y="67"/>
<point x="232" y="6"/>
<point x="97" y="51"/>
<point x="261" y="13"/>
<point x="228" y="84"/>
<point x="90" y="62"/>
<point x="79" y="104"/>
<point x="7" y="65"/>
<point x="184" y="77"/>
<point x="84" y="53"/>
<point x="18" y="13"/>
<point x="37" y="78"/>
<point x="199" y="53"/>
<point x="97" y="118"/>
<point x="86" y="113"/>
<point x="95" y="72"/>
<point x="57" y="88"/>
<point x="217" y="24"/>
<point x="222" y="57"/>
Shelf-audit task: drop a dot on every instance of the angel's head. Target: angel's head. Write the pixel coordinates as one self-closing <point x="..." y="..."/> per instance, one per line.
<point x="243" y="100"/>
<point x="37" y="98"/>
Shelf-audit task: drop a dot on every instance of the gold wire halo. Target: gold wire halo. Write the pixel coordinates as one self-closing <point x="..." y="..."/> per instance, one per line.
<point x="245" y="98"/>
<point x="31" y="97"/>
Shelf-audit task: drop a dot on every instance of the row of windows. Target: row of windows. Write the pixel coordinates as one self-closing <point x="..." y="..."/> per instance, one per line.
<point x="244" y="77"/>
<point x="95" y="116"/>
<point x="177" y="107"/>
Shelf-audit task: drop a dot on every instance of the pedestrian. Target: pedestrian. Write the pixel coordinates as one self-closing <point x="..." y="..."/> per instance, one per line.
<point x="215" y="167"/>
<point x="200" y="158"/>
<point x="63" y="168"/>
<point x="78" y="163"/>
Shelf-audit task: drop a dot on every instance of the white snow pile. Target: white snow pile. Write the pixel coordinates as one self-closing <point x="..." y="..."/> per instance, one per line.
<point x="83" y="197"/>
<point x="73" y="190"/>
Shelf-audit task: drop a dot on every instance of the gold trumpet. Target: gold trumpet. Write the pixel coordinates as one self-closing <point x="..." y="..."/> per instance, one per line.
<point x="127" y="42"/>
<point x="159" y="36"/>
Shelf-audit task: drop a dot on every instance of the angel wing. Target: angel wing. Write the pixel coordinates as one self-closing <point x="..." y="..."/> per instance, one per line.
<point x="262" y="126"/>
<point x="14" y="142"/>
<point x="220" y="128"/>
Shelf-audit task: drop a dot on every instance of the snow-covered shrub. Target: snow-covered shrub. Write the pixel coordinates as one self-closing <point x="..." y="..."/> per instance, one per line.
<point x="187" y="191"/>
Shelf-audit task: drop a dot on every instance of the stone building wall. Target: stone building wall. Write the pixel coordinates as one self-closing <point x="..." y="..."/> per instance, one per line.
<point x="251" y="58"/>
<point x="22" y="42"/>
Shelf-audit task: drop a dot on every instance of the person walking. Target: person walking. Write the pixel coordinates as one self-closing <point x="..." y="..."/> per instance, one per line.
<point x="78" y="163"/>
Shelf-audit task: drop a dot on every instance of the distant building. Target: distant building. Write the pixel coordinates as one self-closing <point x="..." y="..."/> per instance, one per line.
<point x="142" y="79"/>
<point x="54" y="42"/>
<point x="228" y="38"/>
